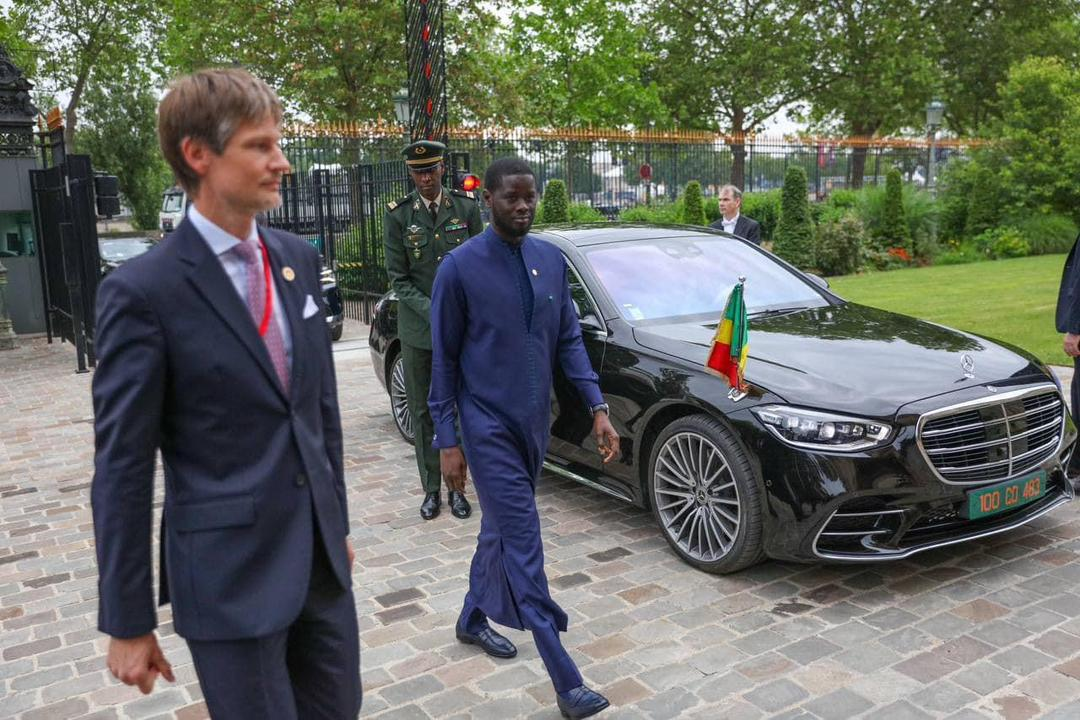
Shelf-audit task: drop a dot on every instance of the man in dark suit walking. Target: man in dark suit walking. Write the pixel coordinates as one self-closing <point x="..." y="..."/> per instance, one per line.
<point x="1068" y="322"/>
<point x="731" y="220"/>
<point x="212" y="347"/>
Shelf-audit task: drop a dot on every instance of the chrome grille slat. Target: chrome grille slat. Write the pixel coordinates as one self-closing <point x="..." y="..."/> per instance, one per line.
<point x="1014" y="432"/>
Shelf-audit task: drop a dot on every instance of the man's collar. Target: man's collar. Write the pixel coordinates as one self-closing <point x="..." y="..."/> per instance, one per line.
<point x="427" y="203"/>
<point x="219" y="240"/>
<point x="732" y="220"/>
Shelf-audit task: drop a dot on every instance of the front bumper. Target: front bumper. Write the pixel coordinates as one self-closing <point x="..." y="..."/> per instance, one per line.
<point x="883" y="504"/>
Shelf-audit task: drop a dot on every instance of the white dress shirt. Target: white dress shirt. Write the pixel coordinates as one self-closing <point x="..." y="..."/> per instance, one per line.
<point x="729" y="225"/>
<point x="221" y="242"/>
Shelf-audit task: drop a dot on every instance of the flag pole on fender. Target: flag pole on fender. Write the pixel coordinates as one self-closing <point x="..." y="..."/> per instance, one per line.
<point x="731" y="343"/>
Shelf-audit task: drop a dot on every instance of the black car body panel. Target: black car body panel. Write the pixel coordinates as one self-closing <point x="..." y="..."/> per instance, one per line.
<point x="839" y="357"/>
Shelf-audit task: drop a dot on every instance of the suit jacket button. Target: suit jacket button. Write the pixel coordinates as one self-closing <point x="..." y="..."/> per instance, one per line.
<point x="301" y="480"/>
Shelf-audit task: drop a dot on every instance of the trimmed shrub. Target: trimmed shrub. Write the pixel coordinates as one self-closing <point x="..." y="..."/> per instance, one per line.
<point x="1002" y="242"/>
<point x="584" y="213"/>
<point x="659" y="212"/>
<point x="894" y="231"/>
<point x="839" y="244"/>
<point x="1047" y="233"/>
<point x="986" y="198"/>
<point x="961" y="254"/>
<point x="693" y="210"/>
<point x="763" y="207"/>
<point x="556" y="203"/>
<point x="712" y="210"/>
<point x="954" y="196"/>
<point x="794" y="240"/>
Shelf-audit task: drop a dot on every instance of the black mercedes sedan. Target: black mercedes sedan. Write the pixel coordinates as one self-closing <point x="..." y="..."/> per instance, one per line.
<point x="865" y="435"/>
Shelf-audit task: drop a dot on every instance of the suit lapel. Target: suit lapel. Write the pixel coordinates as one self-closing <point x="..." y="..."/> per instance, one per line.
<point x="212" y="282"/>
<point x="291" y="294"/>
<point x="446" y="209"/>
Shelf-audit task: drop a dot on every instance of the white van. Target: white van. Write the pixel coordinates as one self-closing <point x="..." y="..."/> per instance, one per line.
<point x="174" y="205"/>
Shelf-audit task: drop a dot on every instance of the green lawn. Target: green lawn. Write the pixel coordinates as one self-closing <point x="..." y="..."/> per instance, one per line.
<point x="1012" y="300"/>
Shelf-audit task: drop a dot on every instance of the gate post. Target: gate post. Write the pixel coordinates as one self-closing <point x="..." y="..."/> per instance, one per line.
<point x="7" y="332"/>
<point x="426" y="62"/>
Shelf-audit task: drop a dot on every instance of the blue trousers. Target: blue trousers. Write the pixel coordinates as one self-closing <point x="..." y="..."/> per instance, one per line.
<point x="308" y="671"/>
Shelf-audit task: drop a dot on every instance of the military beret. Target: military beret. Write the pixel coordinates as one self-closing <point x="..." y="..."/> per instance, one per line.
<point x="423" y="154"/>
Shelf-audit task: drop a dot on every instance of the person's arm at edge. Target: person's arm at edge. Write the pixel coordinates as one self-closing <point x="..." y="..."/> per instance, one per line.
<point x="447" y="330"/>
<point x="397" y="268"/>
<point x="754" y="235"/>
<point x="128" y="389"/>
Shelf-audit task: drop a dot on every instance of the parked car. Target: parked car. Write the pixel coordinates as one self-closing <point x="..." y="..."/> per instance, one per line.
<point x="116" y="251"/>
<point x="865" y="435"/>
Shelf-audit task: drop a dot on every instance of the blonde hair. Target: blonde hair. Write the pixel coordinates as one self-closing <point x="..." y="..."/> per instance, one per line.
<point x="209" y="105"/>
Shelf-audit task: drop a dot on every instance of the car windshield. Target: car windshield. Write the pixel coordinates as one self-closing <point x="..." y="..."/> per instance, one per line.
<point x="172" y="203"/>
<point x="676" y="277"/>
<point x="120" y="250"/>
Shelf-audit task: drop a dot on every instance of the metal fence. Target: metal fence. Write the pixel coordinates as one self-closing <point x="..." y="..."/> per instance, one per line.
<point x="343" y="176"/>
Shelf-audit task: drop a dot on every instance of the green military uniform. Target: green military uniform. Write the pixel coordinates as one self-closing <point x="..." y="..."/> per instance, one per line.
<point x="415" y="244"/>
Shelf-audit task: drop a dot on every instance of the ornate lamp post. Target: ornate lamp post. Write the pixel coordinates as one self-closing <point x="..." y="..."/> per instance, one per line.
<point x="401" y="107"/>
<point x="7" y="332"/>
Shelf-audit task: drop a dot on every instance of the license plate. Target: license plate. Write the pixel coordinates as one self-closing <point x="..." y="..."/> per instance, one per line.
<point x="1005" y="496"/>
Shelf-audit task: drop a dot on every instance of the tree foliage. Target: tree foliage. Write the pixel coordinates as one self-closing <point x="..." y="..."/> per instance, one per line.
<point x="556" y="202"/>
<point x="693" y="209"/>
<point x="794" y="237"/>
<point x="119" y="133"/>
<point x="894" y="230"/>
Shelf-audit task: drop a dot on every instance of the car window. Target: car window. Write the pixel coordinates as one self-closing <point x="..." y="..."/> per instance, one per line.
<point x="173" y="202"/>
<point x="579" y="294"/>
<point x="666" y="278"/>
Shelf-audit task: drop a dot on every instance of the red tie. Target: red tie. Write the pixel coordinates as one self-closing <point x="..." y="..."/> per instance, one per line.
<point x="249" y="252"/>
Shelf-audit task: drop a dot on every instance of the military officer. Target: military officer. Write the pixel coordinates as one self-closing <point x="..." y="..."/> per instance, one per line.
<point x="419" y="230"/>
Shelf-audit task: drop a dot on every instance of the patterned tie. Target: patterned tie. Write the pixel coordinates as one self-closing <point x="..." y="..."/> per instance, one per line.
<point x="433" y="208"/>
<point x="249" y="252"/>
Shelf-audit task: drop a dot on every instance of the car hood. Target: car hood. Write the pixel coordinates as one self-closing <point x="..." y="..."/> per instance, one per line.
<point x="853" y="358"/>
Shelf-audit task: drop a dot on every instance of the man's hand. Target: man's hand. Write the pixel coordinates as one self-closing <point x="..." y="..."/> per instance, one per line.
<point x="1072" y="345"/>
<point x="607" y="440"/>
<point x="138" y="661"/>
<point x="453" y="467"/>
<point x="351" y="553"/>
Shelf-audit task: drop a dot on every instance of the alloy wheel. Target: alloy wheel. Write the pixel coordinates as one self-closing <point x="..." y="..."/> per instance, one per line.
<point x="399" y="401"/>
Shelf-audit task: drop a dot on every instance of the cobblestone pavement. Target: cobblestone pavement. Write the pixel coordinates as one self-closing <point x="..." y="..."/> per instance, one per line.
<point x="989" y="629"/>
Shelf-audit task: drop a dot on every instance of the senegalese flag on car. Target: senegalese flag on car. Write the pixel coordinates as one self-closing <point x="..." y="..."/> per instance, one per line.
<point x="732" y="341"/>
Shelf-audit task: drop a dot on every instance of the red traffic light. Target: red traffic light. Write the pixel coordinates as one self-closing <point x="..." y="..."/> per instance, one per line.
<point x="470" y="183"/>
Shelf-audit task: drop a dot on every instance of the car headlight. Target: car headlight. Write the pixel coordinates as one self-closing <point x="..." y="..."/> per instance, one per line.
<point x="1053" y="376"/>
<point x="820" y="430"/>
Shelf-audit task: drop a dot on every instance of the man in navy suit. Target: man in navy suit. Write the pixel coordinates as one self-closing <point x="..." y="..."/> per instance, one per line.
<point x="1068" y="322"/>
<point x="731" y="220"/>
<point x="501" y="318"/>
<point x="212" y="348"/>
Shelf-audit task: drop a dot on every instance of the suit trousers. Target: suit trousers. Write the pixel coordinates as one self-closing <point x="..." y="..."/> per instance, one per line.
<point x="417" y="366"/>
<point x="308" y="671"/>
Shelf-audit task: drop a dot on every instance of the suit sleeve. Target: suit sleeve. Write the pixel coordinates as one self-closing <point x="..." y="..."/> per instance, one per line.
<point x="128" y="395"/>
<point x="476" y="223"/>
<point x="448" y="317"/>
<point x="331" y="414"/>
<point x="753" y="233"/>
<point x="397" y="268"/>
<point x="573" y="357"/>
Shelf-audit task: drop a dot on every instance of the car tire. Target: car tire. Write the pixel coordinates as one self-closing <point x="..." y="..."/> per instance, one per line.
<point x="704" y="496"/>
<point x="399" y="403"/>
<point x="337" y="332"/>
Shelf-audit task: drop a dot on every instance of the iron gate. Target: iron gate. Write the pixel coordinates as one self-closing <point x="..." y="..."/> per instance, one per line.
<point x="66" y="227"/>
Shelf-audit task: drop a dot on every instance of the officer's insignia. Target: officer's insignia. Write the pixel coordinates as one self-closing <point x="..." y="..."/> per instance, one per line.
<point x="420" y="150"/>
<point x="446" y="201"/>
<point x="416" y="204"/>
<point x="416" y="253"/>
<point x="288" y="273"/>
<point x="415" y="230"/>
<point x="455" y="221"/>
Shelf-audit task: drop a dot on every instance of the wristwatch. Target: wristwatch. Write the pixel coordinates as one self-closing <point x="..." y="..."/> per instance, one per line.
<point x="598" y="407"/>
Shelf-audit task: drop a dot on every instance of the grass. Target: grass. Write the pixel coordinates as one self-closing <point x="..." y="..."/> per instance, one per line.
<point x="1011" y="300"/>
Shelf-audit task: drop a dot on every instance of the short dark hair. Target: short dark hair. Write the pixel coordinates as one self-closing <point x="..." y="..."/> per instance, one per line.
<point x="501" y="168"/>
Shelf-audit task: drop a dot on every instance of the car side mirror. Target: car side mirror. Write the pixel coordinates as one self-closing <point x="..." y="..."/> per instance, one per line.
<point x="818" y="280"/>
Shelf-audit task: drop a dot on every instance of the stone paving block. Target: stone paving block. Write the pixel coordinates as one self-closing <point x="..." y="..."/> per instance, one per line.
<point x="809" y="649"/>
<point x="1016" y="707"/>
<point x="1050" y="688"/>
<point x="838" y="705"/>
<point x="901" y="710"/>
<point x="1065" y="712"/>
<point x="668" y="704"/>
<point x="1021" y="660"/>
<point x="927" y="667"/>
<point x="776" y="695"/>
<point x="943" y="697"/>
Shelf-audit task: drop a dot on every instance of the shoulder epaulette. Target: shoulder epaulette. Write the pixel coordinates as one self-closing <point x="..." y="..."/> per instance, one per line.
<point x="464" y="193"/>
<point x="395" y="204"/>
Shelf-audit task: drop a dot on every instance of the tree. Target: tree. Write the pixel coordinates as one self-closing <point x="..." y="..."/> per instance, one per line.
<point x="877" y="72"/>
<point x="556" y="202"/>
<point x="794" y="237"/>
<point x="120" y="135"/>
<point x="584" y="62"/>
<point x="894" y="228"/>
<point x="1015" y="29"/>
<point x="84" y="39"/>
<point x="693" y="209"/>
<point x="731" y="66"/>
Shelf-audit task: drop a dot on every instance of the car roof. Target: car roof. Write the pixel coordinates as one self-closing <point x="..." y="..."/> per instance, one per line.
<point x="585" y="234"/>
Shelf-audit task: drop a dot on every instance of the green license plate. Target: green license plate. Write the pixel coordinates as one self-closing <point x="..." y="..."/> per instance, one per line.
<point x="1005" y="496"/>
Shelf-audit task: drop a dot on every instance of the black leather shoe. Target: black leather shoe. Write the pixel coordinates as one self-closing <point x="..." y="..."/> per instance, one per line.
<point x="430" y="507"/>
<point x="459" y="506"/>
<point x="489" y="641"/>
<point x="581" y="702"/>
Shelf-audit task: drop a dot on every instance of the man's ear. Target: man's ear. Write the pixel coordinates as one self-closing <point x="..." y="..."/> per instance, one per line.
<point x="197" y="154"/>
<point x="487" y="197"/>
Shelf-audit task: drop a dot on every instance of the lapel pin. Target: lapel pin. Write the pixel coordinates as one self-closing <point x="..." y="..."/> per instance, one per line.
<point x="536" y="273"/>
<point x="288" y="273"/>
